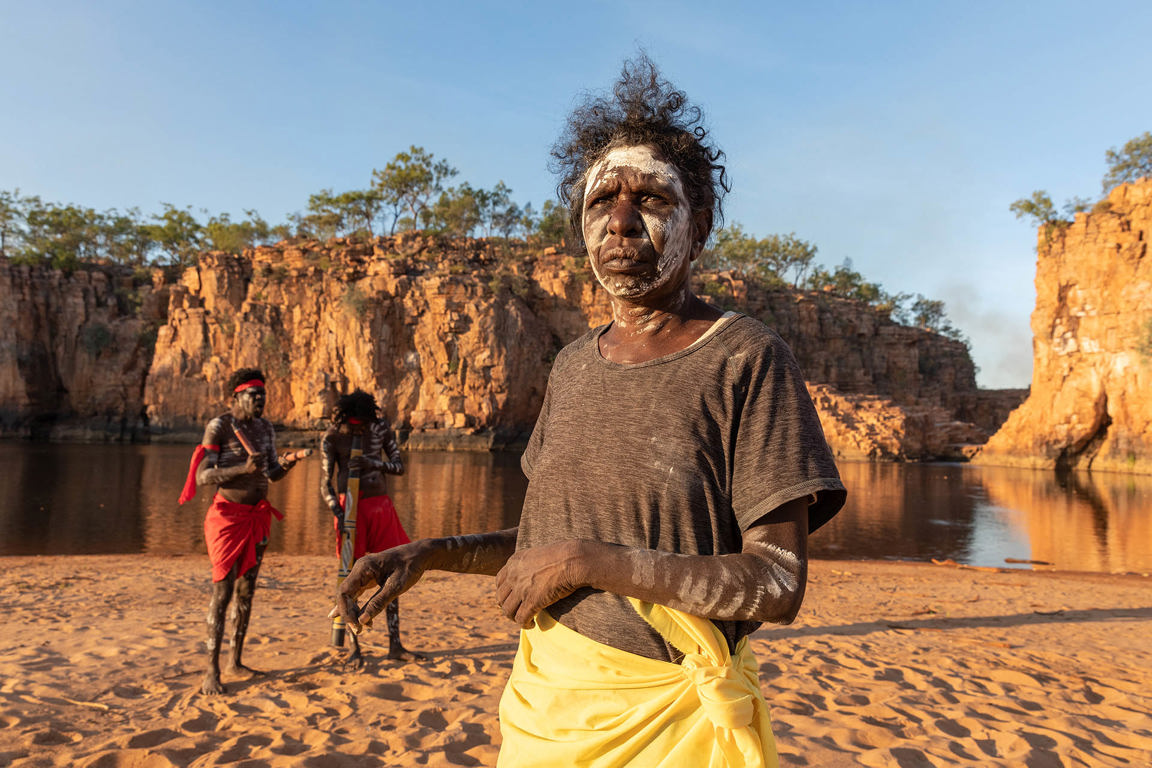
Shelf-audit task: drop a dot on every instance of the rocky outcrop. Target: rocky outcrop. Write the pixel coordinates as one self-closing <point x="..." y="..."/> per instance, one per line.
<point x="1090" y="405"/>
<point x="875" y="428"/>
<point x="852" y="347"/>
<point x="75" y="349"/>
<point x="456" y="339"/>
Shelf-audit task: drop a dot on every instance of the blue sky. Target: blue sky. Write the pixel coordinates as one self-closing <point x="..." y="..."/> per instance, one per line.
<point x="892" y="134"/>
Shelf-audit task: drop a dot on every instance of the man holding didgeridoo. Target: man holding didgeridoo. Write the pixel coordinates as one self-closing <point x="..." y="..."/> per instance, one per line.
<point x="357" y="425"/>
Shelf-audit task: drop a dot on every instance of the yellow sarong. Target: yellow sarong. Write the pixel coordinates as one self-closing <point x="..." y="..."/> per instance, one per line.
<point x="572" y="701"/>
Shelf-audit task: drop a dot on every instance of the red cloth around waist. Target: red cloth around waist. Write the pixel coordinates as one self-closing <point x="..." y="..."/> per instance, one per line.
<point x="377" y="526"/>
<point x="232" y="530"/>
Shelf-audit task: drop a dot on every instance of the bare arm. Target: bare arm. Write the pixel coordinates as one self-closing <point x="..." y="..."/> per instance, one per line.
<point x="276" y="467"/>
<point x="216" y="435"/>
<point x="396" y="570"/>
<point x="384" y="437"/>
<point x="210" y="474"/>
<point x="329" y="466"/>
<point x="764" y="582"/>
<point x="394" y="465"/>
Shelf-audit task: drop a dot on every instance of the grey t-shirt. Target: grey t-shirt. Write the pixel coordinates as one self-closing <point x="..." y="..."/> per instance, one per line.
<point x="680" y="454"/>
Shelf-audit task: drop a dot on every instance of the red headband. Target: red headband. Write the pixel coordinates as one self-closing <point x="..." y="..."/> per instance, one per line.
<point x="354" y="421"/>
<point x="249" y="383"/>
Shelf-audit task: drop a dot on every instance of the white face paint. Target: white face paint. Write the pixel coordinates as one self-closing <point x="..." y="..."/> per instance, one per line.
<point x="633" y="189"/>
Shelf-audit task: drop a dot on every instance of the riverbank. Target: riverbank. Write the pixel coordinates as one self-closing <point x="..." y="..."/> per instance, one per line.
<point x="481" y="441"/>
<point x="888" y="664"/>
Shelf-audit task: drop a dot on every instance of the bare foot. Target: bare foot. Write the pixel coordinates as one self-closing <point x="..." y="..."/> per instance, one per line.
<point x="240" y="670"/>
<point x="212" y="685"/>
<point x="354" y="659"/>
<point x="400" y="653"/>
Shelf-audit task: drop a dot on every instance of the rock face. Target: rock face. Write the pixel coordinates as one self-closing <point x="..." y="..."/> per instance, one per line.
<point x="456" y="339"/>
<point x="874" y="428"/>
<point x="854" y="348"/>
<point x="75" y="350"/>
<point x="1090" y="405"/>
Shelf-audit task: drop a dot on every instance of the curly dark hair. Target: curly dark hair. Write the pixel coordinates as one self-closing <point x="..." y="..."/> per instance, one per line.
<point x="243" y="375"/>
<point x="355" y="405"/>
<point x="643" y="108"/>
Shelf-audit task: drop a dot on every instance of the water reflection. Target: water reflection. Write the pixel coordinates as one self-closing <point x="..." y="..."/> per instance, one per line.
<point x="1098" y="522"/>
<point x="73" y="499"/>
<point x="70" y="499"/>
<point x="907" y="512"/>
<point x="441" y="494"/>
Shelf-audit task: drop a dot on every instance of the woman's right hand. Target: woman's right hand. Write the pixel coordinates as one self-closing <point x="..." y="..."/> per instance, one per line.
<point x="394" y="571"/>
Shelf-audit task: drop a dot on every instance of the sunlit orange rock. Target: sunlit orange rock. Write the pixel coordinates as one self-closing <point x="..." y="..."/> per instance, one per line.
<point x="1090" y="405"/>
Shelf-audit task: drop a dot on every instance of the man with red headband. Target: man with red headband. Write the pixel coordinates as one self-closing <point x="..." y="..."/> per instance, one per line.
<point x="377" y="526"/>
<point x="238" y="456"/>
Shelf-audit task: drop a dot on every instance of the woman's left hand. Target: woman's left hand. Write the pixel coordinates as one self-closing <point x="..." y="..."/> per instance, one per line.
<point x="533" y="579"/>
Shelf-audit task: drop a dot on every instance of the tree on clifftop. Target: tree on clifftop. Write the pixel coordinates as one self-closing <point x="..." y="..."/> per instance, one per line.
<point x="456" y="213"/>
<point x="176" y="233"/>
<point x="1130" y="162"/>
<point x="551" y="226"/>
<point x="223" y="234"/>
<point x="1133" y="161"/>
<point x="409" y="183"/>
<point x="1039" y="208"/>
<point x="331" y="215"/>
<point x="771" y="257"/>
<point x="12" y="216"/>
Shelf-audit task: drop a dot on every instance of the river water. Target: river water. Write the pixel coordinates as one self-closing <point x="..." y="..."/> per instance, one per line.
<point x="120" y="499"/>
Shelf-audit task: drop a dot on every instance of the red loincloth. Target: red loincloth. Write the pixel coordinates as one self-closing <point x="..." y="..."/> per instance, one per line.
<point x="233" y="530"/>
<point x="377" y="526"/>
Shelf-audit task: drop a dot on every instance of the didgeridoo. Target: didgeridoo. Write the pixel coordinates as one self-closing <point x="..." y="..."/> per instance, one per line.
<point x="347" y="537"/>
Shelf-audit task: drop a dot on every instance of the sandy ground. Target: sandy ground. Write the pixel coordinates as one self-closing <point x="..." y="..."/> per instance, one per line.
<point x="889" y="664"/>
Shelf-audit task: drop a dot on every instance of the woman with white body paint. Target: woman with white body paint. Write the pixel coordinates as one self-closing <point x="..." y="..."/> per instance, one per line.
<point x="675" y="472"/>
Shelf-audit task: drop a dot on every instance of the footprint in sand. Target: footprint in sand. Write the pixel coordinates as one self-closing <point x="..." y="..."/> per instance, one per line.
<point x="1010" y="678"/>
<point x="952" y="728"/>
<point x="45" y="660"/>
<point x="200" y="724"/>
<point x="1006" y="746"/>
<point x="287" y="746"/>
<point x="129" y="691"/>
<point x="415" y="689"/>
<point x="51" y="737"/>
<point x="432" y="718"/>
<point x="444" y="734"/>
<point x="130" y="758"/>
<point x="150" y="739"/>
<point x="238" y="749"/>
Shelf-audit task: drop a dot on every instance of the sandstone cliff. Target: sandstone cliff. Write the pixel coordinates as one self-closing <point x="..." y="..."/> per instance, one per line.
<point x="1090" y="405"/>
<point x="456" y="340"/>
<point x="75" y="350"/>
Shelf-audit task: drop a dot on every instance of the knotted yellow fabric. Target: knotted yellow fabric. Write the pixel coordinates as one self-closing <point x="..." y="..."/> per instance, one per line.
<point x="572" y="701"/>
